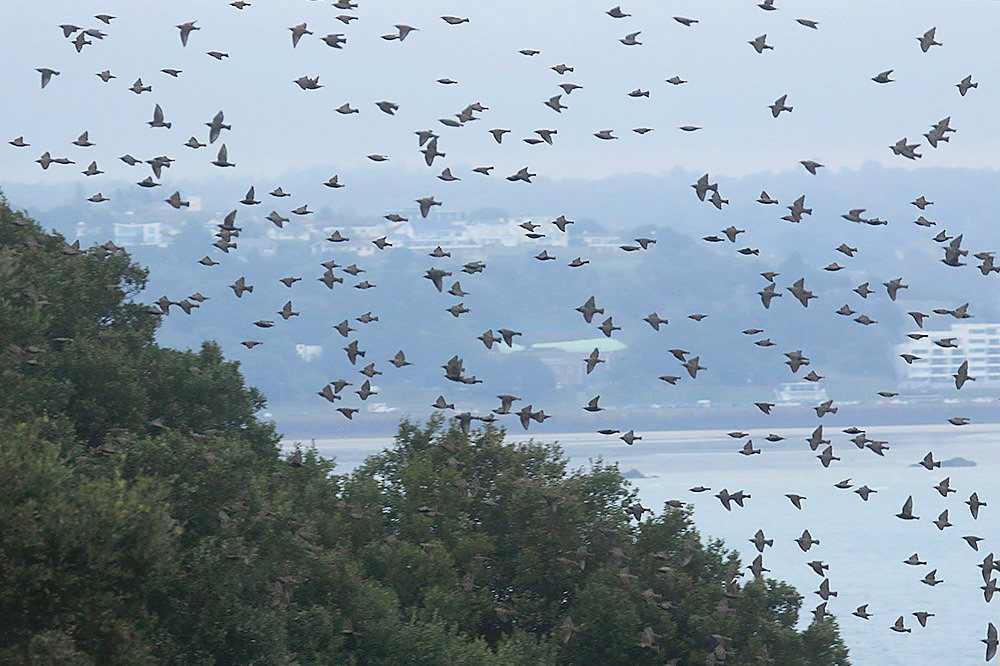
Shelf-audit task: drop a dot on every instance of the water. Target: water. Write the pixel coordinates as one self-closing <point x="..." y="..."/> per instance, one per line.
<point x="863" y="542"/>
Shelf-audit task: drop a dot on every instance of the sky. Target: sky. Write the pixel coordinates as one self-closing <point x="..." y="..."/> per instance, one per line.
<point x="841" y="118"/>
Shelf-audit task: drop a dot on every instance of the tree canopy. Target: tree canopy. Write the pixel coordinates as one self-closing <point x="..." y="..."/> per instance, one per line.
<point x="148" y="517"/>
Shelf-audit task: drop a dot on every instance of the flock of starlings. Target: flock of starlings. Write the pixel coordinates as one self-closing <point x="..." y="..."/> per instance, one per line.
<point x="454" y="370"/>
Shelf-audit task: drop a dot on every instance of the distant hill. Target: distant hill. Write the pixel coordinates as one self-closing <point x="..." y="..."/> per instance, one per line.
<point x="679" y="275"/>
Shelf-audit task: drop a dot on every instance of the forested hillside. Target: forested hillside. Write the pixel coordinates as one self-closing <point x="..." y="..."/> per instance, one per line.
<point x="148" y="517"/>
<point x="680" y="277"/>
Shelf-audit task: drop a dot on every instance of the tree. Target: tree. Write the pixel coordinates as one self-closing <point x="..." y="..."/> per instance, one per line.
<point x="149" y="517"/>
<point x="496" y="537"/>
<point x="82" y="561"/>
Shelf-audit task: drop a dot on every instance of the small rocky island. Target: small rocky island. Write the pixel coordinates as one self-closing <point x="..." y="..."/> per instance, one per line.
<point x="957" y="461"/>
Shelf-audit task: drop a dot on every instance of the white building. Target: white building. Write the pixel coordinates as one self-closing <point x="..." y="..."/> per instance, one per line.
<point x="143" y="233"/>
<point x="799" y="393"/>
<point x="308" y="353"/>
<point x="979" y="344"/>
<point x="455" y="234"/>
<point x="274" y="233"/>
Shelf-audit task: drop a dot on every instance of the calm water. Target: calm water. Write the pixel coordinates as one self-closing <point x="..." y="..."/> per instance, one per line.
<point x="863" y="542"/>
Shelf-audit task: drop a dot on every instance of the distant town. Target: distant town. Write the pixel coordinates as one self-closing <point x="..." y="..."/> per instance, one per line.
<point x="926" y="372"/>
<point x="403" y="229"/>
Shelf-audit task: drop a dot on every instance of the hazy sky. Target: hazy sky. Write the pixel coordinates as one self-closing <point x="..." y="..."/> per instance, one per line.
<point x="840" y="118"/>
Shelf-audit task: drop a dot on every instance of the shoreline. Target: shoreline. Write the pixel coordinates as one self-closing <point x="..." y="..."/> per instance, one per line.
<point x="676" y="420"/>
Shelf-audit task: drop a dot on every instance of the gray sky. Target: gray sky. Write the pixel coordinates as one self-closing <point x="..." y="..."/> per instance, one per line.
<point x="841" y="118"/>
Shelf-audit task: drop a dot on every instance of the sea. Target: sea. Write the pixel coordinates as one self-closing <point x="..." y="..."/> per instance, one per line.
<point x="863" y="542"/>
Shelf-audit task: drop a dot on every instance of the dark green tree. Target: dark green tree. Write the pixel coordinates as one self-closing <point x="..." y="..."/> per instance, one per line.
<point x="148" y="517"/>
<point x="496" y="537"/>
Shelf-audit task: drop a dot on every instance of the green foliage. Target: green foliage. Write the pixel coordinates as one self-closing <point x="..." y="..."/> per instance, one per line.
<point x="81" y="560"/>
<point x="78" y="350"/>
<point x="500" y="538"/>
<point x="148" y="517"/>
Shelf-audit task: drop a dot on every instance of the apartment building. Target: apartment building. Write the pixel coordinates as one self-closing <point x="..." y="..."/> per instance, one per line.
<point x="979" y="344"/>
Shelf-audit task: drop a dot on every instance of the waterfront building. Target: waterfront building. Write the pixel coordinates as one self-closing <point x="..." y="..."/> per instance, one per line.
<point x="979" y="344"/>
